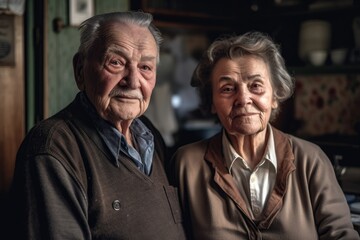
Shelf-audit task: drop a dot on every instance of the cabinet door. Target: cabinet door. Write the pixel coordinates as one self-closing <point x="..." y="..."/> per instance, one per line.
<point x="12" y="109"/>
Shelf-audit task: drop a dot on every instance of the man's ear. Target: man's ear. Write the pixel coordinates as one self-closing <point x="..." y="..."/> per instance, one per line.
<point x="78" y="66"/>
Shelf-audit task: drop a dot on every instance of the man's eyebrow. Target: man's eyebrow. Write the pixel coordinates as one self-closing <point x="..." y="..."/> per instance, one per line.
<point x="250" y="77"/>
<point x="121" y="52"/>
<point x="116" y="50"/>
<point x="225" y="78"/>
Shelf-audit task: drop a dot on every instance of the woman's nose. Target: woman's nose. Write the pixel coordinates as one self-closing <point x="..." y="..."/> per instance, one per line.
<point x="243" y="96"/>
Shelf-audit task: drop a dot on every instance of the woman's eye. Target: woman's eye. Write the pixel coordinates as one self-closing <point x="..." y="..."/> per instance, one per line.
<point x="256" y="87"/>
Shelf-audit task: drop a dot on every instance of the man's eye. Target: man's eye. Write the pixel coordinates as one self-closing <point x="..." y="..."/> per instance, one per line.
<point x="145" y="67"/>
<point x="255" y="85"/>
<point x="228" y="88"/>
<point x="114" y="65"/>
<point x="115" y="62"/>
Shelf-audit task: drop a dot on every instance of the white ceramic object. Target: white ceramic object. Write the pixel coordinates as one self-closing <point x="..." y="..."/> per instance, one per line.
<point x="318" y="57"/>
<point x="338" y="56"/>
<point x="314" y="35"/>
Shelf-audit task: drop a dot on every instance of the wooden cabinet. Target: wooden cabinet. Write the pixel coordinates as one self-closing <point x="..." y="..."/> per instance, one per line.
<point x="12" y="95"/>
<point x="187" y="15"/>
<point x="283" y="24"/>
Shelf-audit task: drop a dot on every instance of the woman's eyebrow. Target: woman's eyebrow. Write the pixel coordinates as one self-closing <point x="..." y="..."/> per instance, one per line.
<point x="251" y="77"/>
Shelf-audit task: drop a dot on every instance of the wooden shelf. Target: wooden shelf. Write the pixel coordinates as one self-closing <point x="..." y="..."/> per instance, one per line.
<point x="281" y="22"/>
<point x="182" y="14"/>
<point x="330" y="69"/>
<point x="180" y="20"/>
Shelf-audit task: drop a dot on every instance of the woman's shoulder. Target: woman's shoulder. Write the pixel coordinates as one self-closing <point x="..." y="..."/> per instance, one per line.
<point x="303" y="144"/>
<point x="194" y="154"/>
<point x="295" y="141"/>
<point x="309" y="152"/>
<point x="193" y="149"/>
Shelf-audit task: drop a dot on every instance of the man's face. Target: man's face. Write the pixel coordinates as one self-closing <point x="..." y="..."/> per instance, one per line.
<point x="119" y="73"/>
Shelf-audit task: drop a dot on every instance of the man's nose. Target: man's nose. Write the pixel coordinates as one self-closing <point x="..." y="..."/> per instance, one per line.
<point x="132" y="77"/>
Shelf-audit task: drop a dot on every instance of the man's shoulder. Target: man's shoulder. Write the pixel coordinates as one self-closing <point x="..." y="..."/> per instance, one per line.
<point x="48" y="134"/>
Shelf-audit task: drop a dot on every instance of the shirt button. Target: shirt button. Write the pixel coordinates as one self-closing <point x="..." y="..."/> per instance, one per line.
<point x="116" y="205"/>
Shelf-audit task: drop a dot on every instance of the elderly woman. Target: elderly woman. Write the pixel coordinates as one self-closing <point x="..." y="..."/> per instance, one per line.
<point x="252" y="181"/>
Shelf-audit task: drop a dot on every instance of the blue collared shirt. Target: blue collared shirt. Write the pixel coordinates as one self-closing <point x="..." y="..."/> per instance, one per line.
<point x="116" y="142"/>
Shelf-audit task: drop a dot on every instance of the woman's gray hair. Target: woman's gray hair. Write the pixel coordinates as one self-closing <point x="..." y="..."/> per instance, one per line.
<point x="89" y="29"/>
<point x="251" y="43"/>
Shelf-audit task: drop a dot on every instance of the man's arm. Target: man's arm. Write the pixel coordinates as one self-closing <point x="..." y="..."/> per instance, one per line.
<point x="47" y="202"/>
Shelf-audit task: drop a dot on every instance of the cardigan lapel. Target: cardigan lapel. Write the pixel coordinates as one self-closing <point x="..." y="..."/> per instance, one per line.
<point x="214" y="154"/>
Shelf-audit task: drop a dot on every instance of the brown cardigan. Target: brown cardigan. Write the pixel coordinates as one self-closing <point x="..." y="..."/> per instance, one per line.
<point x="306" y="202"/>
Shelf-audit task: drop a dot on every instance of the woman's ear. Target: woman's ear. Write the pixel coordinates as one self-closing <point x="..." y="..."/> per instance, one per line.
<point x="275" y="104"/>
<point x="78" y="66"/>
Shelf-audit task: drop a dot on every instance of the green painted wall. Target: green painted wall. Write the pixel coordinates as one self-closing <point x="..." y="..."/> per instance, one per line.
<point x="60" y="49"/>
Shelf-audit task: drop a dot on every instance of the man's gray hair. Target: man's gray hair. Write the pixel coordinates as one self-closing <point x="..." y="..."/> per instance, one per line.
<point x="89" y="29"/>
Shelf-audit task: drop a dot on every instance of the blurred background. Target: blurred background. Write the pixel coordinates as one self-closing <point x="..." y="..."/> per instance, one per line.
<point x="319" y="39"/>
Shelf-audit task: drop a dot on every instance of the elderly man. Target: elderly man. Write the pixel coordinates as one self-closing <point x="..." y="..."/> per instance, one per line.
<point x="95" y="169"/>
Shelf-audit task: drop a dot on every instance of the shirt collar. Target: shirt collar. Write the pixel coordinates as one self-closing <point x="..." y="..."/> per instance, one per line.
<point x="231" y="155"/>
<point x="271" y="153"/>
<point x="116" y="141"/>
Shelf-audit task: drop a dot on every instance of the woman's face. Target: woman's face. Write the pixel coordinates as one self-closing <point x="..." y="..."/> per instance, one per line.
<point x="120" y="72"/>
<point x="242" y="94"/>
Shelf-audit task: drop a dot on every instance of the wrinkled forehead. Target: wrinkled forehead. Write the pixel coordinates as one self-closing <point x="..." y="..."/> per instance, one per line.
<point x="126" y="36"/>
<point x="139" y="35"/>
